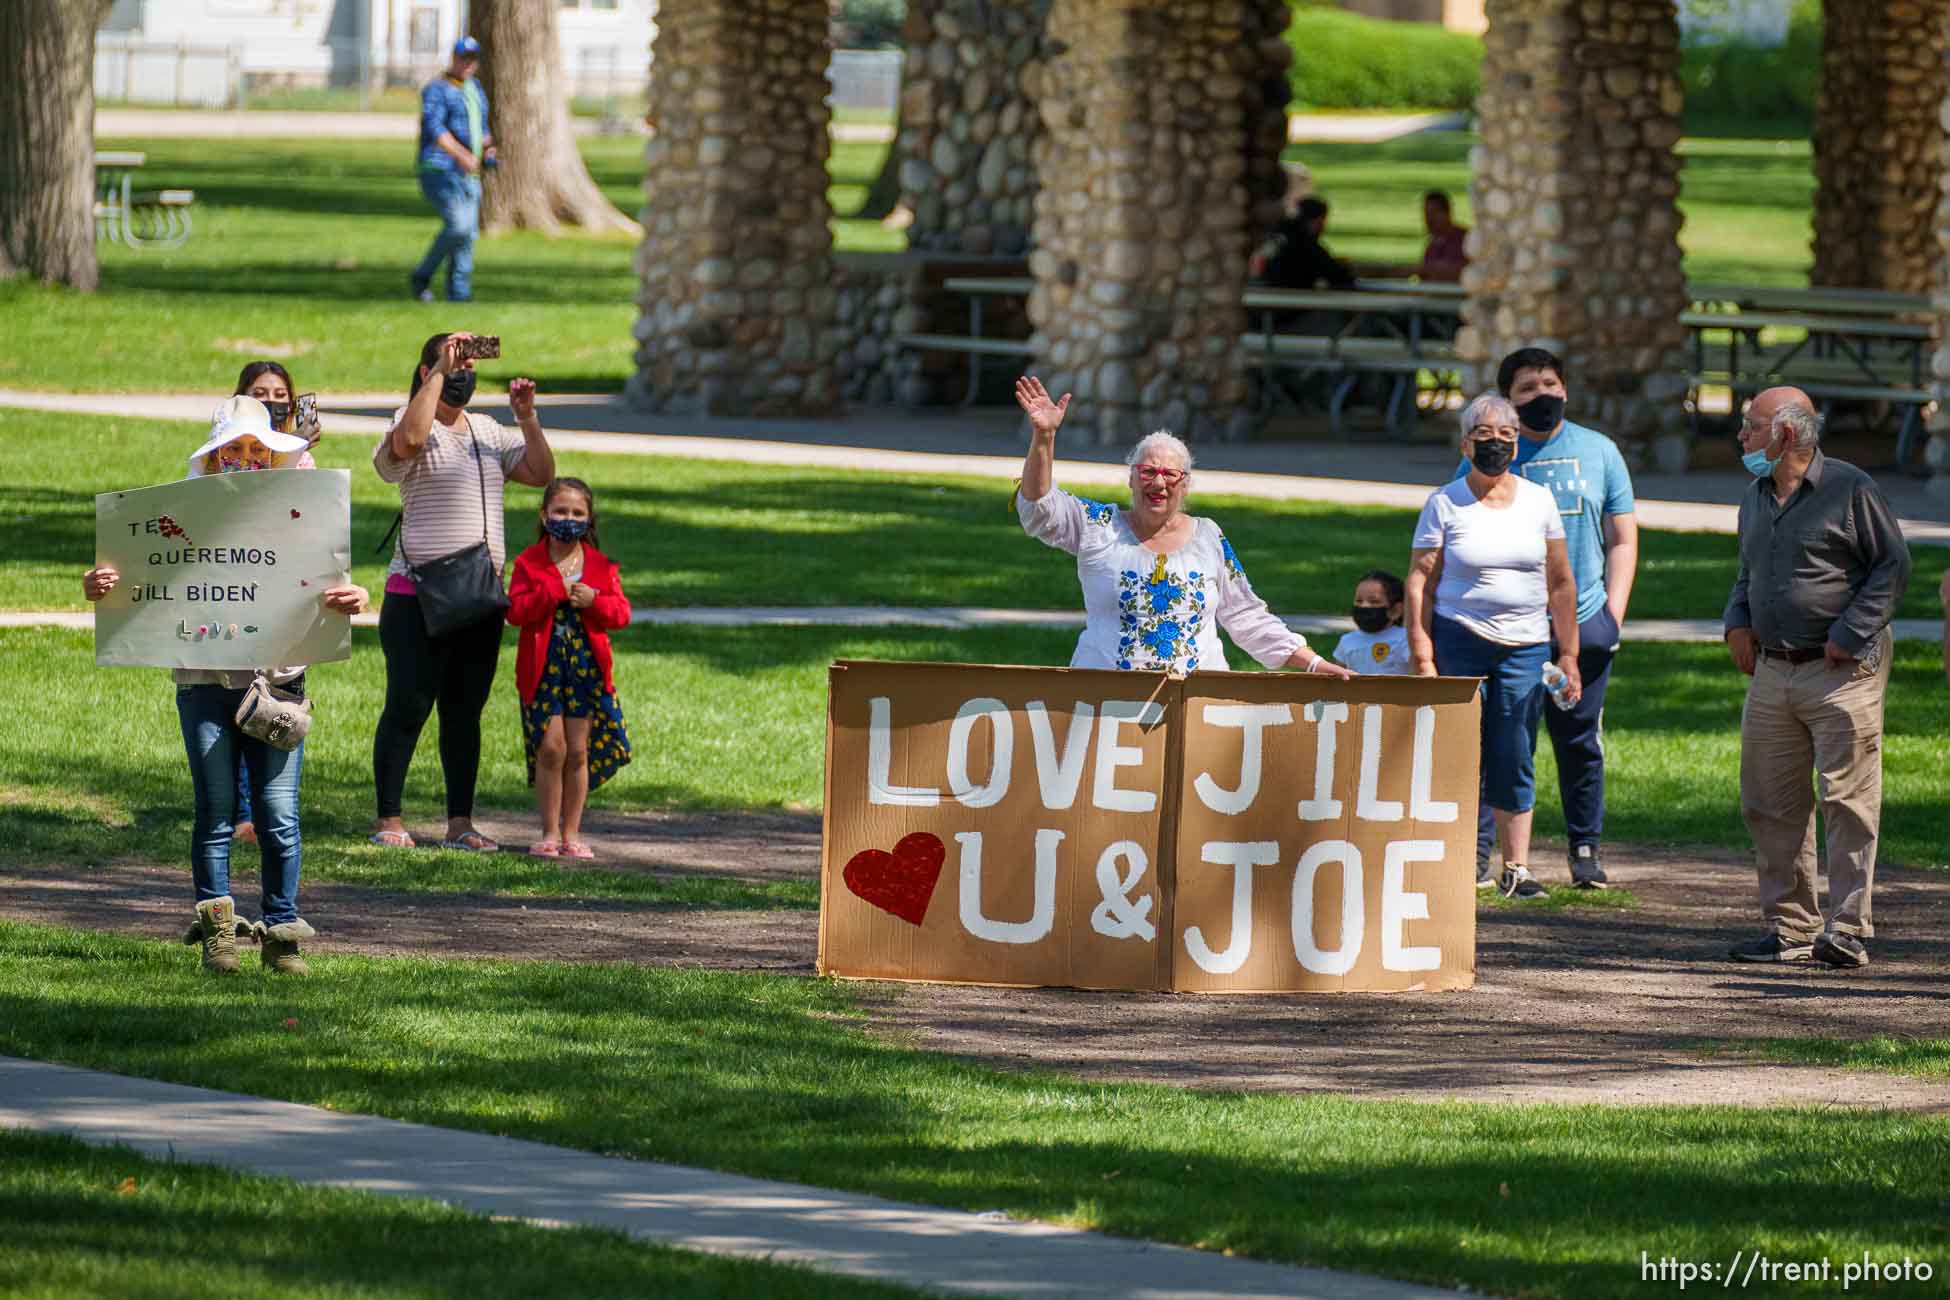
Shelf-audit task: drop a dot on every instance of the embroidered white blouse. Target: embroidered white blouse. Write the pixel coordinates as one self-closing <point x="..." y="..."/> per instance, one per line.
<point x="1154" y="612"/>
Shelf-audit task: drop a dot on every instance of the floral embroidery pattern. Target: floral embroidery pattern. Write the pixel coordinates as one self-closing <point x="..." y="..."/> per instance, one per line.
<point x="1096" y="512"/>
<point x="1231" y="558"/>
<point x="1159" y="618"/>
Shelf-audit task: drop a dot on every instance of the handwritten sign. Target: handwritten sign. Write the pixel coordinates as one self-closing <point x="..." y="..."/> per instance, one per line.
<point x="1229" y="832"/>
<point x="225" y="571"/>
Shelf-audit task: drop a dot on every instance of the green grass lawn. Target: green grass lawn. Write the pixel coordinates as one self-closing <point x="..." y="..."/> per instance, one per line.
<point x="104" y="1221"/>
<point x="302" y="249"/>
<point x="301" y="252"/>
<point x="769" y="1076"/>
<point x="734" y="718"/>
<point x="1923" y="1055"/>
<point x="704" y="533"/>
<point x="1747" y="203"/>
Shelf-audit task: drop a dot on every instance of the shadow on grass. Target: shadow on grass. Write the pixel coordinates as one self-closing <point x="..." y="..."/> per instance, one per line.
<point x="759" y="1076"/>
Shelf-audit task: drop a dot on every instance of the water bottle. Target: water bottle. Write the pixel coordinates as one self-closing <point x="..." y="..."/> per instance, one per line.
<point x="1557" y="686"/>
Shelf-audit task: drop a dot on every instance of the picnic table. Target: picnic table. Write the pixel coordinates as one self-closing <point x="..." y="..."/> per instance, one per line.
<point x="1873" y="359"/>
<point x="1829" y="301"/>
<point x="120" y="209"/>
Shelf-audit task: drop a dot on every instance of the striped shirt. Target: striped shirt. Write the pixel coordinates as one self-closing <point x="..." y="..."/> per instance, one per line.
<point x="441" y="493"/>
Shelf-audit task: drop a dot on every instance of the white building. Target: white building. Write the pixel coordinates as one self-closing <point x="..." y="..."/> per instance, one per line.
<point x="208" y="51"/>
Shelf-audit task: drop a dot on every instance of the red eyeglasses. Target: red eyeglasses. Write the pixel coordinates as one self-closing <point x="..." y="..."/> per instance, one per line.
<point x="1160" y="474"/>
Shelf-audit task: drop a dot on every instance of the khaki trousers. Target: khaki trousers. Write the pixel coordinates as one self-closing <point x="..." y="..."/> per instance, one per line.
<point x="1810" y="717"/>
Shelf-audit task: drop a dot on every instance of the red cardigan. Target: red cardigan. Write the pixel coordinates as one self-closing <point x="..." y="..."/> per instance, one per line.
<point x="535" y="592"/>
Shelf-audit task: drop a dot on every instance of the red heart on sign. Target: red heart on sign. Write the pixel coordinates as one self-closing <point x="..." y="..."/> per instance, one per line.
<point x="294" y="513"/>
<point x="901" y="882"/>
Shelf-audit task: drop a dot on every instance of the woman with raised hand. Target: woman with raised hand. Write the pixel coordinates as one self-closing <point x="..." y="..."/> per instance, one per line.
<point x="1157" y="583"/>
<point x="1489" y="579"/>
<point x="452" y="467"/>
<point x="207" y="699"/>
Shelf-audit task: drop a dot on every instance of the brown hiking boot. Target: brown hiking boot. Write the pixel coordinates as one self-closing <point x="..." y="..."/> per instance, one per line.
<point x="280" y="947"/>
<point x="215" y="928"/>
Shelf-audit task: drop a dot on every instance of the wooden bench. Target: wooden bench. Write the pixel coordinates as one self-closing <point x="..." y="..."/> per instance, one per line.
<point x="1827" y="384"/>
<point x="974" y="346"/>
<point x="1350" y="359"/>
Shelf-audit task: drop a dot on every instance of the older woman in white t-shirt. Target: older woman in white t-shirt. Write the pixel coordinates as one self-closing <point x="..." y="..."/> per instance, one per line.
<point x="1157" y="582"/>
<point x="1489" y="548"/>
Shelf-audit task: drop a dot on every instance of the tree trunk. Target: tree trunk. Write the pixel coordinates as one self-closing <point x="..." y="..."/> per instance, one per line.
<point x="47" y="139"/>
<point x="541" y="182"/>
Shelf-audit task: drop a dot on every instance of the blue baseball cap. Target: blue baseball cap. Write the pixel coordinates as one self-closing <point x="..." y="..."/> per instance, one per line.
<point x="467" y="47"/>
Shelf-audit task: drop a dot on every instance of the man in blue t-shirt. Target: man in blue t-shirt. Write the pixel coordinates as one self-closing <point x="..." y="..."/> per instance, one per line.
<point x="454" y="146"/>
<point x="1584" y="471"/>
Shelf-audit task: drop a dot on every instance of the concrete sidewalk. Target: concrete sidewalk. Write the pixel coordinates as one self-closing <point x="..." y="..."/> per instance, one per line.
<point x="964" y="618"/>
<point x="696" y="1209"/>
<point x="987" y="444"/>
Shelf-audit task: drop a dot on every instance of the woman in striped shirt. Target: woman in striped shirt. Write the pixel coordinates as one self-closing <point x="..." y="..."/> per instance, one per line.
<point x="451" y="466"/>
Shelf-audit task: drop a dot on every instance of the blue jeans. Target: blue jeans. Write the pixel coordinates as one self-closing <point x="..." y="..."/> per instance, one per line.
<point x="215" y="748"/>
<point x="457" y="198"/>
<point x="1578" y="740"/>
<point x="1513" y="706"/>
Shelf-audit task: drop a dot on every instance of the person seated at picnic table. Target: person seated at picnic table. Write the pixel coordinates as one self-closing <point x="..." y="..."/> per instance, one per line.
<point x="1443" y="258"/>
<point x="1489" y="580"/>
<point x="241" y="440"/>
<point x="1299" y="260"/>
<point x="1155" y="579"/>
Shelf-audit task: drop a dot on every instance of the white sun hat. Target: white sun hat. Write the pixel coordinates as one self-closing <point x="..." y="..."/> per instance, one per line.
<point x="241" y="415"/>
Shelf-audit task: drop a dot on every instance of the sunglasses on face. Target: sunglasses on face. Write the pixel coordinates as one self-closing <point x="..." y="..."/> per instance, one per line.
<point x="1160" y="474"/>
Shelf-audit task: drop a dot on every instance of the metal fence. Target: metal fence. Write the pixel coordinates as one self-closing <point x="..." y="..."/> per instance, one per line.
<point x="866" y="79"/>
<point x="162" y="72"/>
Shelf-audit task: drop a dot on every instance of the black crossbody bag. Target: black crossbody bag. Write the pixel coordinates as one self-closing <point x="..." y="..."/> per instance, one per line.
<point x="461" y="588"/>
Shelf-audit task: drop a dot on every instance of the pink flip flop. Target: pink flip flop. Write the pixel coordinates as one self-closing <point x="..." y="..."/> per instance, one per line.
<point x="577" y="849"/>
<point x="544" y="849"/>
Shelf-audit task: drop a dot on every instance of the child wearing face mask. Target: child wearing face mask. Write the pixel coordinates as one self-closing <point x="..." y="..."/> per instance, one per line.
<point x="565" y="598"/>
<point x="1379" y="642"/>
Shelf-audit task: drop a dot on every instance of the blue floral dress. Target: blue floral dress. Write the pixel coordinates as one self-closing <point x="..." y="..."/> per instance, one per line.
<point x="572" y="686"/>
<point x="1150" y="612"/>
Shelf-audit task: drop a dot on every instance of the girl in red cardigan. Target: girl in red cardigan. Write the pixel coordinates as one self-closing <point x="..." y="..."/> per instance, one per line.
<point x="565" y="598"/>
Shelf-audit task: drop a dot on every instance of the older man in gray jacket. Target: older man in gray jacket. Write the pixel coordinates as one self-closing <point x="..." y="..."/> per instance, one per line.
<point x="1822" y="565"/>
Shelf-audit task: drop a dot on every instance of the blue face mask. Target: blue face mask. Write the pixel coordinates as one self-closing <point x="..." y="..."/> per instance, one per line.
<point x="566" y="530"/>
<point x="1759" y="464"/>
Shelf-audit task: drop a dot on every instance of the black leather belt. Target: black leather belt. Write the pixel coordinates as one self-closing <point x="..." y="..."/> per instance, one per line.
<point x="1793" y="656"/>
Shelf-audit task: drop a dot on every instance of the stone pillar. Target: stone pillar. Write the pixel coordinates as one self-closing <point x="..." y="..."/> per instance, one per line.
<point x="969" y="125"/>
<point x="1575" y="246"/>
<point x="737" y="297"/>
<point x="1936" y="453"/>
<point x="1141" y="231"/>
<point x="1267" y="95"/>
<point x="1878" y="145"/>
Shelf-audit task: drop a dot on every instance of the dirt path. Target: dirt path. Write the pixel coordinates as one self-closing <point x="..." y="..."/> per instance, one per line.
<point x="1580" y="1005"/>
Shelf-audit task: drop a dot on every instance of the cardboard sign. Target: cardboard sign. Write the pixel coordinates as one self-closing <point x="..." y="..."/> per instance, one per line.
<point x="1227" y="832"/>
<point x="225" y="571"/>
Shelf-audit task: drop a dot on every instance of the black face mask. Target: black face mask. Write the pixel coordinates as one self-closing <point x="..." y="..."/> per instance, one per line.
<point x="1492" y="455"/>
<point x="1371" y="618"/>
<point x="457" y="389"/>
<point x="280" y="412"/>
<point x="1541" y="413"/>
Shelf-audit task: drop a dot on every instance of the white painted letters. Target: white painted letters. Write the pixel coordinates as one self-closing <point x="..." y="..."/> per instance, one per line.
<point x="1119" y="916"/>
<point x="1111" y="755"/>
<point x="1243" y="857"/>
<point x="1325" y="716"/>
<point x="1353" y="910"/>
<point x="1366" y="806"/>
<point x="1059" y="778"/>
<point x="1253" y="719"/>
<point x="1041" y="917"/>
<point x="1420" y="806"/>
<point x="880" y="750"/>
<point x="1398" y="905"/>
<point x="1003" y="729"/>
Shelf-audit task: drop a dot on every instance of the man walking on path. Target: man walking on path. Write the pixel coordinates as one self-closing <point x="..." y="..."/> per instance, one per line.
<point x="1585" y="472"/>
<point x="454" y="146"/>
<point x="1822" y="565"/>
